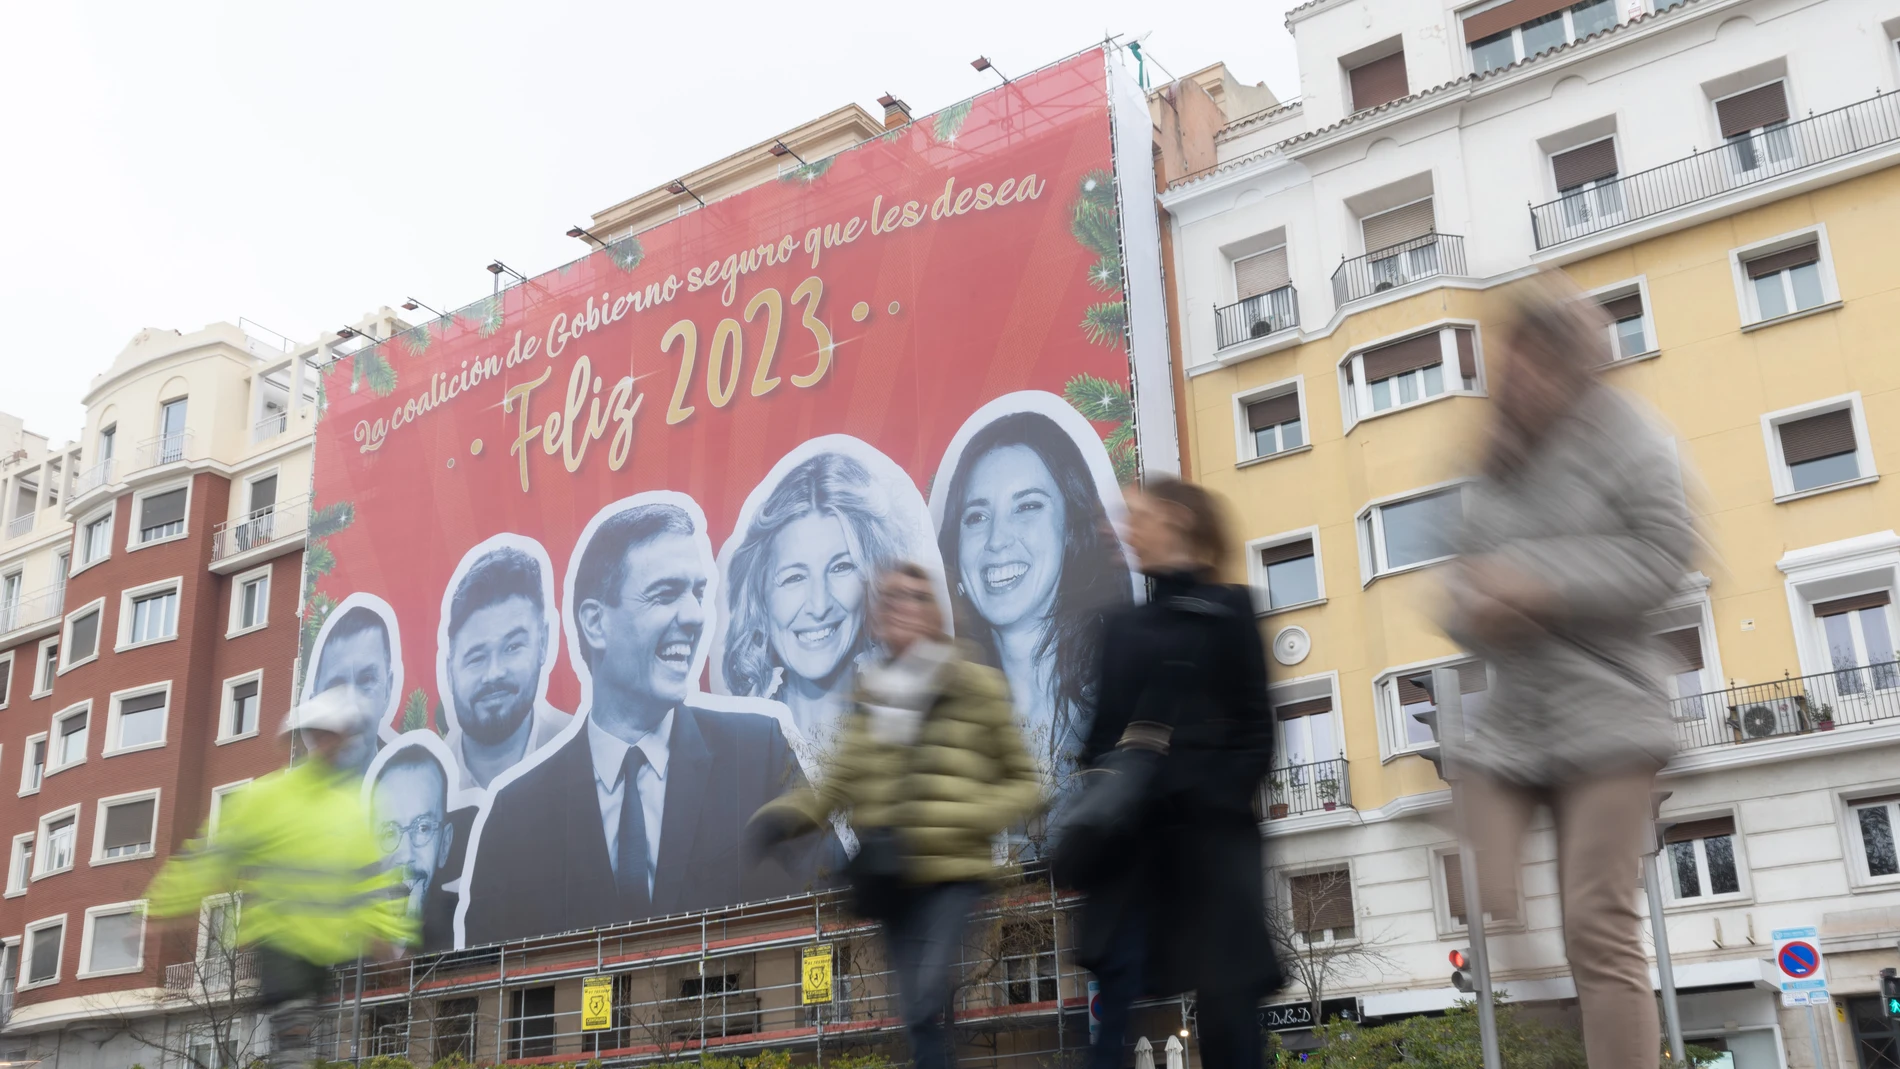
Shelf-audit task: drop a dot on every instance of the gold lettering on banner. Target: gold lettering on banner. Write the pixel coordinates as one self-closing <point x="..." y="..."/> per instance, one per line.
<point x="526" y="432"/>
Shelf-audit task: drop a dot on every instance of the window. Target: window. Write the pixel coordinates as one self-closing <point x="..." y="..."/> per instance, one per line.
<point x="95" y="539"/>
<point x="126" y="826"/>
<point x="1409" y="708"/>
<point x="47" y="669"/>
<point x="33" y="767"/>
<point x="171" y="431"/>
<point x="217" y="938"/>
<point x="137" y="720"/>
<point x="240" y="708"/>
<point x="1817" y="446"/>
<point x="1755" y="126"/>
<point x="455" y="1029"/>
<point x="1874" y="819"/>
<point x="113" y="940"/>
<point x="161" y="515"/>
<point x="1701" y="859"/>
<point x="1307" y="729"/>
<point x="250" y="600"/>
<point x="1504" y="33"/>
<point x="259" y="522"/>
<point x="153" y="616"/>
<point x="1409" y="532"/>
<point x="531" y="1023"/>
<point x="1263" y="296"/>
<point x="70" y="731"/>
<point x="1378" y="81"/>
<point x="1321" y="906"/>
<point x="1683" y="648"/>
<point x="1409" y="371"/>
<point x="20" y="863"/>
<point x="1586" y="181"/>
<point x="1629" y="325"/>
<point x="1858" y="633"/>
<point x="58" y="832"/>
<point x="10" y="588"/>
<point x="45" y="942"/>
<point x="1875" y="1044"/>
<point x="1287" y="572"/>
<point x="1275" y="423"/>
<point x="1785" y="282"/>
<point x="218" y="796"/>
<point x="1497" y="882"/>
<point x="81" y="643"/>
<point x="108" y="438"/>
<point x="1401" y="228"/>
<point x="1028" y="950"/>
<point x="6" y="677"/>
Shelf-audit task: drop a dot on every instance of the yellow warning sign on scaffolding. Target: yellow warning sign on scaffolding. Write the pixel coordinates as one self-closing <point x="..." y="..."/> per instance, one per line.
<point x="815" y="967"/>
<point x="597" y="1003"/>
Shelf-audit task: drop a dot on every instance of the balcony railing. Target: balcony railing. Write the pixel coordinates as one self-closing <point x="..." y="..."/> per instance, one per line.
<point x="1742" y="162"/>
<point x="164" y="449"/>
<point x="1256" y="317"/>
<point x="1397" y="265"/>
<point x="29" y="609"/>
<point x="211" y="973"/>
<point x="270" y="427"/>
<point x="23" y="524"/>
<point x="262" y="527"/>
<point x="94" y="477"/>
<point x="1794" y="705"/>
<point x="1312" y="788"/>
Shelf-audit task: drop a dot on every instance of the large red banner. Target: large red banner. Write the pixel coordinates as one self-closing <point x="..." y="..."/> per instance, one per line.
<point x="594" y="555"/>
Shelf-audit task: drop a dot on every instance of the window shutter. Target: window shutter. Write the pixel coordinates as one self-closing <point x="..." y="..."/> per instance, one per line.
<point x="264" y="493"/>
<point x="1854" y="604"/>
<point x="1471" y="678"/>
<point x="1272" y="411"/>
<point x="129" y="824"/>
<point x="1467" y="352"/>
<point x="1684" y="646"/>
<point x="85" y="636"/>
<point x="142" y="703"/>
<point x="1379" y="82"/>
<point x="1400" y="224"/>
<point x="1454" y="887"/>
<point x="244" y="691"/>
<point x="1264" y="273"/>
<point x="1826" y="435"/>
<point x="1586" y="164"/>
<point x="1761" y="106"/>
<point x="1509" y="16"/>
<point x="1500" y="900"/>
<point x="1286" y="551"/>
<point x="1411" y="693"/>
<point x="74" y="724"/>
<point x="1296" y="710"/>
<point x="1628" y="306"/>
<point x="1805" y="253"/>
<point x="1321" y="900"/>
<point x="1400" y="357"/>
<point x="161" y="509"/>
<point x="1699" y="829"/>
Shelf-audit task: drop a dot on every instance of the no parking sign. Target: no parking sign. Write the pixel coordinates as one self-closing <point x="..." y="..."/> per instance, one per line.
<point x="1800" y="965"/>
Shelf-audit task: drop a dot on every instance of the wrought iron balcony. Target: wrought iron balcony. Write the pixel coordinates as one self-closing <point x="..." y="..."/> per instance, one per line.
<point x="1318" y="787"/>
<point x="34" y="608"/>
<point x="259" y="528"/>
<point x="1256" y="317"/>
<point x="93" y="478"/>
<point x="1792" y="705"/>
<point x="164" y="449"/>
<point x="1397" y="265"/>
<point x="1744" y="161"/>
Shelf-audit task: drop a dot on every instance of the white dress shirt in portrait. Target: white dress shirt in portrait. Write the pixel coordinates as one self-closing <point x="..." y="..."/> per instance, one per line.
<point x="610" y="757"/>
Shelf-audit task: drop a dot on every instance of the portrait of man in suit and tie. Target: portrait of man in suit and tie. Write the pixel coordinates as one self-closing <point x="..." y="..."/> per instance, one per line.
<point x="639" y="809"/>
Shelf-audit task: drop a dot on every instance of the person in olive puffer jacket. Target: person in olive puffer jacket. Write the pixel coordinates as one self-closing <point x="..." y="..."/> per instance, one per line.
<point x="931" y="760"/>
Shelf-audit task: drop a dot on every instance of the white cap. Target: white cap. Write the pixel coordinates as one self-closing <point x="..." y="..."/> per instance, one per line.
<point x="333" y="710"/>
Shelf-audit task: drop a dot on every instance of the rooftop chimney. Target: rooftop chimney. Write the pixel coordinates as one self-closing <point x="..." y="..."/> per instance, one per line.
<point x="896" y="112"/>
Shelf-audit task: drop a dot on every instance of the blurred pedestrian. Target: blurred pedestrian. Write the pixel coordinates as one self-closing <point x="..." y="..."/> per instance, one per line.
<point x="932" y="766"/>
<point x="1578" y="529"/>
<point x="1186" y="910"/>
<point x="298" y="849"/>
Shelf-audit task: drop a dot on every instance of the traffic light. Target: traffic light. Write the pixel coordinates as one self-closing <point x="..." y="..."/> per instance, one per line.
<point x="1889" y="995"/>
<point x="1461" y="971"/>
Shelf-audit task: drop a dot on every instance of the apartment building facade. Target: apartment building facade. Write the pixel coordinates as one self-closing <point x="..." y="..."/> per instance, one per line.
<point x="149" y="587"/>
<point x="1719" y="173"/>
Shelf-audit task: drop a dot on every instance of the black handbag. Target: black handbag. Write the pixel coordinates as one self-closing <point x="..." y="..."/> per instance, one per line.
<point x="1108" y="807"/>
<point x="875" y="874"/>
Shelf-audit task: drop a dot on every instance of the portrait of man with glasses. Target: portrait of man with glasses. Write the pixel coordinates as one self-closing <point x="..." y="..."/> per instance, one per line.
<point x="409" y="795"/>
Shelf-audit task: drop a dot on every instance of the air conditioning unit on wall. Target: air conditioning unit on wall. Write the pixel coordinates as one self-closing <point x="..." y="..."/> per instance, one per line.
<point x="1768" y="719"/>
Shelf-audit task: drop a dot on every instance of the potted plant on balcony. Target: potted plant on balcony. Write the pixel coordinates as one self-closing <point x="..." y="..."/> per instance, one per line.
<point x="1824" y="718"/>
<point x="1277" y="807"/>
<point x="1328" y="789"/>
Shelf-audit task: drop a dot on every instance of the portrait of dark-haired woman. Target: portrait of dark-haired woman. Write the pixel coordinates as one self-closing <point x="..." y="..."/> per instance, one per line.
<point x="1035" y="565"/>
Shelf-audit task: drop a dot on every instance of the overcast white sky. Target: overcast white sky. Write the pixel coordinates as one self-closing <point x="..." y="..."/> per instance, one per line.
<point x="172" y="165"/>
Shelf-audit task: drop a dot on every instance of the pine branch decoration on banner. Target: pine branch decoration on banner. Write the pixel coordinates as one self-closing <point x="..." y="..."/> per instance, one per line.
<point x="316" y="609"/>
<point x="417" y="339"/>
<point x="945" y="124"/>
<point x="1095" y="222"/>
<point x="808" y="172"/>
<point x="627" y="252"/>
<point x="484" y="315"/>
<point x="319" y="561"/>
<point x="415" y="711"/>
<point x="1104" y="322"/>
<point x="330" y="519"/>
<point x="367" y="367"/>
<point x="1101" y="400"/>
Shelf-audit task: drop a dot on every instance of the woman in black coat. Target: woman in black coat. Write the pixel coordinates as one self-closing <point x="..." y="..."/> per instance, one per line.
<point x="1187" y="910"/>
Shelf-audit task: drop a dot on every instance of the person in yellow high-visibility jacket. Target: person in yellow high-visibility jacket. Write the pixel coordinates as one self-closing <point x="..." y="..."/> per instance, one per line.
<point x="299" y="851"/>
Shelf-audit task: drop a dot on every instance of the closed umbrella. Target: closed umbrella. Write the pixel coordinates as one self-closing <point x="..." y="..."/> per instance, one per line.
<point x="1144" y="1054"/>
<point x="1177" y="1054"/>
